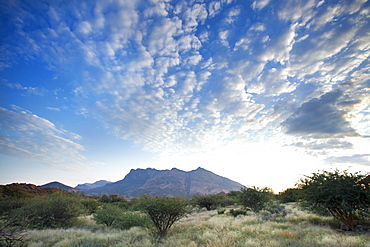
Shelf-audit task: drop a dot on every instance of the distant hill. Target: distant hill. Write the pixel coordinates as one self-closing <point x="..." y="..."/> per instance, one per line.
<point x="172" y="183"/>
<point x="23" y="190"/>
<point x="89" y="186"/>
<point x="61" y="186"/>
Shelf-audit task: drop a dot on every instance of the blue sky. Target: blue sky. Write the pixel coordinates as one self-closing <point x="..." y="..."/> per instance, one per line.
<point x="261" y="92"/>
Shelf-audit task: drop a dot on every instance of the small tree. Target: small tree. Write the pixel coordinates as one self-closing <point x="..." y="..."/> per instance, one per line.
<point x="255" y="198"/>
<point x="114" y="216"/>
<point x="108" y="214"/>
<point x="342" y="194"/>
<point x="210" y="202"/>
<point x="164" y="211"/>
<point x="290" y="195"/>
<point x="51" y="211"/>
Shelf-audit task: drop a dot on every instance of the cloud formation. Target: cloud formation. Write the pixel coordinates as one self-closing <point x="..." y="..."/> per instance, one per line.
<point x="322" y="117"/>
<point x="28" y="136"/>
<point x="174" y="75"/>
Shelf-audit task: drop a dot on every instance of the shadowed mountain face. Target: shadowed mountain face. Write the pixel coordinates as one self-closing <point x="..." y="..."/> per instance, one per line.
<point x="172" y="183"/>
<point x="89" y="186"/>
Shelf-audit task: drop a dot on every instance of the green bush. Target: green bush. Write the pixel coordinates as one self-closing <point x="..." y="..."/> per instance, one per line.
<point x="342" y="194"/>
<point x="130" y="219"/>
<point x="255" y="198"/>
<point x="164" y="211"/>
<point x="112" y="198"/>
<point x="210" y="202"/>
<point x="9" y="204"/>
<point x="221" y="211"/>
<point x="52" y="211"/>
<point x="114" y="216"/>
<point x="290" y="195"/>
<point x="236" y="212"/>
<point x="90" y="205"/>
<point x="276" y="209"/>
<point x="10" y="233"/>
<point x="108" y="214"/>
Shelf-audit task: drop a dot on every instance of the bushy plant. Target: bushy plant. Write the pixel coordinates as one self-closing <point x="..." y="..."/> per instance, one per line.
<point x="236" y="212"/>
<point x="341" y="193"/>
<point x="255" y="198"/>
<point x="112" y="198"/>
<point x="10" y="232"/>
<point x="90" y="205"/>
<point x="131" y="219"/>
<point x="164" y="211"/>
<point x="221" y="211"/>
<point x="51" y="211"/>
<point x="115" y="216"/>
<point x="277" y="209"/>
<point x="108" y="214"/>
<point x="290" y="195"/>
<point x="9" y="204"/>
<point x="210" y="202"/>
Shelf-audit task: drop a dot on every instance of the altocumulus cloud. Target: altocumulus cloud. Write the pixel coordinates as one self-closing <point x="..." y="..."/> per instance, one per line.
<point x="184" y="74"/>
<point x="25" y="135"/>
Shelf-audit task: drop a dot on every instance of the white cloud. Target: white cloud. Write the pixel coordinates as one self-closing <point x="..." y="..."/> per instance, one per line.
<point x="28" y="136"/>
<point x="166" y="75"/>
<point x="260" y="4"/>
<point x="39" y="91"/>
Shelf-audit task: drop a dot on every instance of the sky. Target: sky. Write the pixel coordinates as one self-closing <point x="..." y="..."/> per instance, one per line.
<point x="261" y="92"/>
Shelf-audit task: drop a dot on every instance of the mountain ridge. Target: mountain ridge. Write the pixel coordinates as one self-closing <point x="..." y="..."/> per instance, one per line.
<point x="89" y="186"/>
<point x="171" y="183"/>
<point x="61" y="186"/>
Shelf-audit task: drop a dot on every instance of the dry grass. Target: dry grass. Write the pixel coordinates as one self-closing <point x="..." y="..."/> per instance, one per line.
<point x="207" y="228"/>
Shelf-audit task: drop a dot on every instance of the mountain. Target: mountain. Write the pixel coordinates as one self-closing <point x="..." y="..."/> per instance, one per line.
<point x="61" y="186"/>
<point x="89" y="186"/>
<point x="172" y="183"/>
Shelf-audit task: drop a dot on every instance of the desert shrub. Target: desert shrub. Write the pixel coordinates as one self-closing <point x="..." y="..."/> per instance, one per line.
<point x="108" y="214"/>
<point x="90" y="205"/>
<point x="210" y="202"/>
<point x="114" y="216"/>
<point x="221" y="211"/>
<point x="112" y="198"/>
<point x="10" y="232"/>
<point x="255" y="198"/>
<point x="52" y="211"/>
<point x="131" y="219"/>
<point x="290" y="195"/>
<point x="164" y="211"/>
<point x="342" y="194"/>
<point x="277" y="209"/>
<point x="236" y="212"/>
<point x="9" y="204"/>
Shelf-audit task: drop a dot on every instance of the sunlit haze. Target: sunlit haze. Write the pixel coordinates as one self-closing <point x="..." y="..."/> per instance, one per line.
<point x="261" y="92"/>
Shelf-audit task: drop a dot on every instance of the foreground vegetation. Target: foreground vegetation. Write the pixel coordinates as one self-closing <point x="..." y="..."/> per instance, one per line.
<point x="290" y="227"/>
<point x="326" y="209"/>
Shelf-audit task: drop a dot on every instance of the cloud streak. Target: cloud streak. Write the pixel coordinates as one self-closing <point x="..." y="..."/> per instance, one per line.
<point x="28" y="136"/>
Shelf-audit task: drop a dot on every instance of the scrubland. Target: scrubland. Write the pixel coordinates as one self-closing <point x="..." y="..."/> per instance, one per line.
<point x="289" y="226"/>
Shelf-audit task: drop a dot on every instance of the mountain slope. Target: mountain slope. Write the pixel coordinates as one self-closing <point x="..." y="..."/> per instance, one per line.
<point x="90" y="186"/>
<point x="172" y="183"/>
<point x="60" y="186"/>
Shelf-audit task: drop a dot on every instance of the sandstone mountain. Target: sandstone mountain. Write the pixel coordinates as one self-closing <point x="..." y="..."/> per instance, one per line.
<point x="90" y="186"/>
<point x="172" y="183"/>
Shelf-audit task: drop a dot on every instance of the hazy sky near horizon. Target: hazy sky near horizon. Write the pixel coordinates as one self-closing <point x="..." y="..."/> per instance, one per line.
<point x="261" y="92"/>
